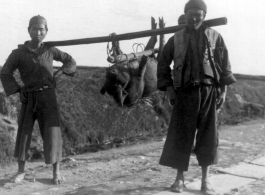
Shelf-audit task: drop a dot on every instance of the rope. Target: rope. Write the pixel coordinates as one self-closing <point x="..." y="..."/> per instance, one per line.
<point x="127" y="59"/>
<point x="141" y="45"/>
<point x="135" y="58"/>
<point x="111" y="51"/>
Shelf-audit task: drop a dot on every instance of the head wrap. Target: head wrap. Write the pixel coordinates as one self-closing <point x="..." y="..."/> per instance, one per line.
<point x="200" y="4"/>
<point x="37" y="20"/>
<point x="182" y="19"/>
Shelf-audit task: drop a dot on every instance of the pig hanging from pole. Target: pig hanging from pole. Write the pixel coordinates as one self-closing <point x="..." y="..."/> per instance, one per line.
<point x="135" y="78"/>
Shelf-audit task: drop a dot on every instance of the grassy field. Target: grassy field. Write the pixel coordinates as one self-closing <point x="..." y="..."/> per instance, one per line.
<point x="92" y="122"/>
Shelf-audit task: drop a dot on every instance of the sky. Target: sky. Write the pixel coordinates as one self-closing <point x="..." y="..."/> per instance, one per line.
<point x="76" y="19"/>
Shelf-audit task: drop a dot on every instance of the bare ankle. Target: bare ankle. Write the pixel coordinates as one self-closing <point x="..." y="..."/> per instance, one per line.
<point x="180" y="178"/>
<point x="205" y="180"/>
<point x="180" y="175"/>
<point x="56" y="174"/>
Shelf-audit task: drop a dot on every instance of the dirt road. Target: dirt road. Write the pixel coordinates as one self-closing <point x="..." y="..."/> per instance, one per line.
<point x="134" y="170"/>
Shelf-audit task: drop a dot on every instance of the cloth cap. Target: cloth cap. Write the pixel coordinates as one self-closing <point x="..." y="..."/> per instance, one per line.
<point x="37" y="20"/>
<point x="182" y="19"/>
<point x="200" y="4"/>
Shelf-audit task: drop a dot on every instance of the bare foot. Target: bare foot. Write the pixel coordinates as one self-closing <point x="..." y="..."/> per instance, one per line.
<point x="58" y="179"/>
<point x="178" y="186"/>
<point x="17" y="178"/>
<point x="206" y="189"/>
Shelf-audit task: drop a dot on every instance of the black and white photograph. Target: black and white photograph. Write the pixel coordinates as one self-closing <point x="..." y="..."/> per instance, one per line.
<point x="115" y="97"/>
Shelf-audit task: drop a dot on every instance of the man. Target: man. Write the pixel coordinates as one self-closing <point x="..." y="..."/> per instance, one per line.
<point x="201" y="74"/>
<point x="182" y="19"/>
<point x="34" y="61"/>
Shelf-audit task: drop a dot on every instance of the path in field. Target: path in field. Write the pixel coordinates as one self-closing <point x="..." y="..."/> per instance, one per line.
<point x="134" y="170"/>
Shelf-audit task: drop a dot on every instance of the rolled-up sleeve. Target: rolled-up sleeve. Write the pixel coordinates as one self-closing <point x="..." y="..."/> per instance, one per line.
<point x="164" y="78"/>
<point x="226" y="76"/>
<point x="9" y="83"/>
<point x="69" y="64"/>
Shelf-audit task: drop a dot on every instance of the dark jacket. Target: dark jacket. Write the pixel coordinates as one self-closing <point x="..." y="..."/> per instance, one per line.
<point x="176" y="50"/>
<point x="35" y="68"/>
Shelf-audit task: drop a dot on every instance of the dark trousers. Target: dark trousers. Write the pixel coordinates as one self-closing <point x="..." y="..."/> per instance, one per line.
<point x="194" y="109"/>
<point x="41" y="106"/>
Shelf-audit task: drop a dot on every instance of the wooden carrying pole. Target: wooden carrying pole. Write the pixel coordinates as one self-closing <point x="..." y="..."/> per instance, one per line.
<point x="134" y="35"/>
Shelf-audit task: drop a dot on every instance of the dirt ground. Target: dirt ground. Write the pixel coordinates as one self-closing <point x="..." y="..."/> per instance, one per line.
<point x="134" y="170"/>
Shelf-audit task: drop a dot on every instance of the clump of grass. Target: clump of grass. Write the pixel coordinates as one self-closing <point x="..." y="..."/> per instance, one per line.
<point x="6" y="147"/>
<point x="89" y="119"/>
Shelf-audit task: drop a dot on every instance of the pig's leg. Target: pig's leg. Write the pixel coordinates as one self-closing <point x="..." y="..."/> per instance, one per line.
<point x="152" y="41"/>
<point x="103" y="90"/>
<point x="116" y="50"/>
<point x="137" y="81"/>
<point x="162" y="38"/>
<point x="142" y="66"/>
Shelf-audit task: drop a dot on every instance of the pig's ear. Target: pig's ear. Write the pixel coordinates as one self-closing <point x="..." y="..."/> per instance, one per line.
<point x="103" y="90"/>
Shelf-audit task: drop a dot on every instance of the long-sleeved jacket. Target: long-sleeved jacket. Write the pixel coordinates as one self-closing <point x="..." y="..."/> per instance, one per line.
<point x="36" y="68"/>
<point x="218" y="56"/>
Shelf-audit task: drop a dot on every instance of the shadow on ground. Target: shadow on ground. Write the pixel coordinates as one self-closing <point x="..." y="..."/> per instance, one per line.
<point x="45" y="181"/>
<point x="135" y="191"/>
<point x="4" y="181"/>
